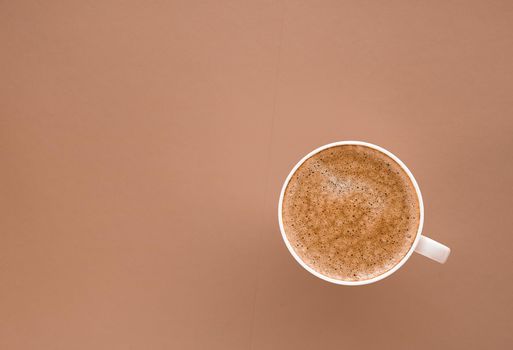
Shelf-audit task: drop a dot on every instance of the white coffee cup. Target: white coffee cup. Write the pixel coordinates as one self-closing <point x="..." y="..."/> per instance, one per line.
<point x="422" y="244"/>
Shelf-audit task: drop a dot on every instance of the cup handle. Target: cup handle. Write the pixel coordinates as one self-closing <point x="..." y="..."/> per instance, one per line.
<point x="432" y="249"/>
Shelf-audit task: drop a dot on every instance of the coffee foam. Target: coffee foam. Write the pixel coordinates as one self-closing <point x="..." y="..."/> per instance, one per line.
<point x="350" y="212"/>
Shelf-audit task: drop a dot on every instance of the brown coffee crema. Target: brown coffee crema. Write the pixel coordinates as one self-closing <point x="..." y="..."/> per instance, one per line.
<point x="350" y="212"/>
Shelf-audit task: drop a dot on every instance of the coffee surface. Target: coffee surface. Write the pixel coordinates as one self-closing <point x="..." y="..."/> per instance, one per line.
<point x="350" y="212"/>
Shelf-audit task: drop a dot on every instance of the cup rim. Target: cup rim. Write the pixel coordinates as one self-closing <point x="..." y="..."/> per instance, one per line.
<point x="401" y="262"/>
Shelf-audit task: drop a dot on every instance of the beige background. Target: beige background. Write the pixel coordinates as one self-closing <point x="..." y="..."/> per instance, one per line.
<point x="144" y="144"/>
